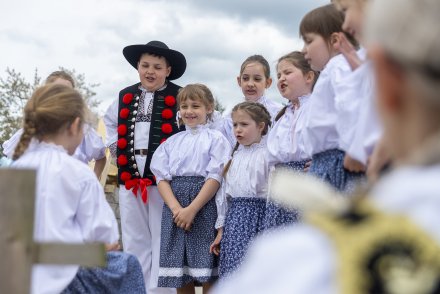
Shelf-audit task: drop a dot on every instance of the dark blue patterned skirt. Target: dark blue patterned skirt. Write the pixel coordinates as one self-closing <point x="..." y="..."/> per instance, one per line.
<point x="244" y="220"/>
<point x="184" y="255"/>
<point x="276" y="215"/>
<point x="329" y="166"/>
<point x="123" y="274"/>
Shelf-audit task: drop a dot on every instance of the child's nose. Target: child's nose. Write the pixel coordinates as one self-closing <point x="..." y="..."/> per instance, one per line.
<point x="304" y="49"/>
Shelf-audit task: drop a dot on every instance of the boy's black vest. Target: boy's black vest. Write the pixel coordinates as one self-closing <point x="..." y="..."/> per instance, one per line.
<point x="163" y="125"/>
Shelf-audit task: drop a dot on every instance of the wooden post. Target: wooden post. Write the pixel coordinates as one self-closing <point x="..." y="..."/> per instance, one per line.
<point x="18" y="251"/>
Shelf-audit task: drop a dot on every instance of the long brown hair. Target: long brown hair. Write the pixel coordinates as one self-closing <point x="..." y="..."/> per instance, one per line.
<point x="51" y="108"/>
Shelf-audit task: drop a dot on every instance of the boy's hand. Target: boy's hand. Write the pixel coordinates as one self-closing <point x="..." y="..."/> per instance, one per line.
<point x="215" y="246"/>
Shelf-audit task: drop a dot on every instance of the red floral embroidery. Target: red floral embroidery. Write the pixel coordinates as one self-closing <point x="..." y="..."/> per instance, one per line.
<point x="122" y="130"/>
<point x="167" y="128"/>
<point x="124" y="113"/>
<point x="122" y="160"/>
<point x="127" y="98"/>
<point x="125" y="176"/>
<point x="163" y="140"/>
<point x="167" y="113"/>
<point x="170" y="101"/>
<point x="122" y="143"/>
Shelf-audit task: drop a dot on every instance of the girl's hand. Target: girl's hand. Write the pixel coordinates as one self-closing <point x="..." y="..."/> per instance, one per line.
<point x="113" y="247"/>
<point x="185" y="217"/>
<point x="215" y="246"/>
<point x="353" y="165"/>
<point x="307" y="166"/>
<point x="349" y="51"/>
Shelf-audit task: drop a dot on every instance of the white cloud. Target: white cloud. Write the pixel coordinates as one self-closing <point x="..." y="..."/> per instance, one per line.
<point x="89" y="35"/>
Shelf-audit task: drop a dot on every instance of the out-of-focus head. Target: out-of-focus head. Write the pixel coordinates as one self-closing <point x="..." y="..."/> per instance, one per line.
<point x="403" y="38"/>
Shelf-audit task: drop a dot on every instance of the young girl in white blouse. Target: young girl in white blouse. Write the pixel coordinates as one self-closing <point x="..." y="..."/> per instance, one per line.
<point x="70" y="204"/>
<point x="321" y="30"/>
<point x="242" y="201"/>
<point x="285" y="142"/>
<point x="91" y="148"/>
<point x="253" y="80"/>
<point x="188" y="169"/>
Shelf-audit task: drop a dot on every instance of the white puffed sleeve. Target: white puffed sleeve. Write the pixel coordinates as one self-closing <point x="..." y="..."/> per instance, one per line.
<point x="92" y="147"/>
<point x="9" y="145"/>
<point x="219" y="152"/>
<point x="94" y="215"/>
<point x="160" y="163"/>
<point x="111" y="123"/>
<point x="227" y="130"/>
<point x="222" y="205"/>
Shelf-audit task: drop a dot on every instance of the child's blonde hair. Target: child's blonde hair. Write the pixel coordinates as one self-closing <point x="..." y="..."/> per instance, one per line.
<point x="51" y="108"/>
<point x="60" y="74"/>
<point x="259" y="114"/>
<point x="197" y="92"/>
<point x="299" y="61"/>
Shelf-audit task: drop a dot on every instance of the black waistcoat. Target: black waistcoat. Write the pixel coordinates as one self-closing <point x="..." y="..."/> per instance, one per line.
<point x="163" y="125"/>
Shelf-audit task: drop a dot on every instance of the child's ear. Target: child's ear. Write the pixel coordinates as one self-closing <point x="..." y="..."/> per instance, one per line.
<point x="268" y="82"/>
<point x="310" y="77"/>
<point x="239" y="81"/>
<point x="335" y="39"/>
<point x="168" y="71"/>
<point x="261" y="126"/>
<point x="75" y="126"/>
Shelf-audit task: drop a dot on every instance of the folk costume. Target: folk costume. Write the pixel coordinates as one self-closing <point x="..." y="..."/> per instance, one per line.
<point x="241" y="204"/>
<point x="387" y="242"/>
<point x="321" y="132"/>
<point x="187" y="160"/>
<point x="137" y="123"/>
<point x="285" y="145"/>
<point x="70" y="207"/>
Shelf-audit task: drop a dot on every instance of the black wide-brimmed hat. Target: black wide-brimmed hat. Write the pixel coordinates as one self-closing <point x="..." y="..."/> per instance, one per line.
<point x="176" y="59"/>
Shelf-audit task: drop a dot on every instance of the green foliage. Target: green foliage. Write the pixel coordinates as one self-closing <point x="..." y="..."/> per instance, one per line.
<point x="218" y="106"/>
<point x="15" y="91"/>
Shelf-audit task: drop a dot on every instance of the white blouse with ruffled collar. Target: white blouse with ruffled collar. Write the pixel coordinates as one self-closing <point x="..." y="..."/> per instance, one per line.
<point x="285" y="141"/>
<point x="199" y="151"/>
<point x="247" y="176"/>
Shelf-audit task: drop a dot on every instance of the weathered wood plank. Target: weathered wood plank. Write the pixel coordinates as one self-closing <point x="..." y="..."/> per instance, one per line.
<point x="17" y="189"/>
<point x="88" y="255"/>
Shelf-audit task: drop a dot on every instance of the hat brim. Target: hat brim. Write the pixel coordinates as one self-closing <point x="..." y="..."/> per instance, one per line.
<point x="176" y="59"/>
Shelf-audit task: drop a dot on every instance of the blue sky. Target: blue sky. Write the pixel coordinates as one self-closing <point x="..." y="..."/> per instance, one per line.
<point x="89" y="35"/>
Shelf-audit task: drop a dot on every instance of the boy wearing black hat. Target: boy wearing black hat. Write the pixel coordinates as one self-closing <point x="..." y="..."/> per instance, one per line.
<point x="137" y="123"/>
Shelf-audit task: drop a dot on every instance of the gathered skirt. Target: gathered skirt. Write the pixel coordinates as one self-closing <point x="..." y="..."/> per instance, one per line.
<point x="277" y="215"/>
<point x="123" y="274"/>
<point x="244" y="221"/>
<point x="329" y="166"/>
<point x="184" y="255"/>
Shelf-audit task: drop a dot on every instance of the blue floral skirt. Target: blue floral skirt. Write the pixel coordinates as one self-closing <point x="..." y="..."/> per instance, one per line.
<point x="184" y="255"/>
<point x="123" y="274"/>
<point x="329" y="166"/>
<point x="276" y="215"/>
<point x="244" y="220"/>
